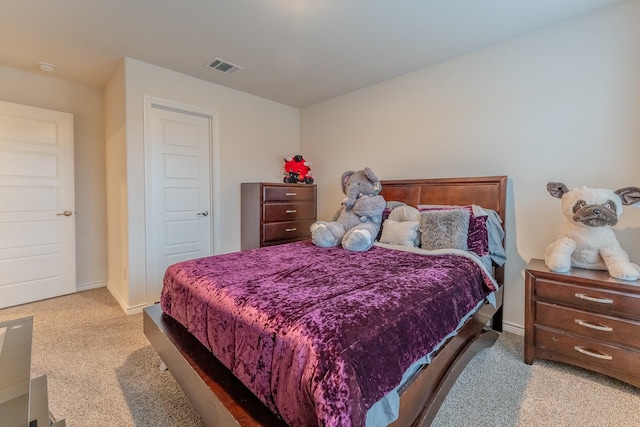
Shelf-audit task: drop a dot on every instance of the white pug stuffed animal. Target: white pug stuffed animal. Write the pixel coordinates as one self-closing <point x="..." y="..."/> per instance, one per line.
<point x="586" y="238"/>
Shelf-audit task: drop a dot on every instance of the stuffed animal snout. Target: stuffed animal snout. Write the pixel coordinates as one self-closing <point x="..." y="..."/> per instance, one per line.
<point x="595" y="215"/>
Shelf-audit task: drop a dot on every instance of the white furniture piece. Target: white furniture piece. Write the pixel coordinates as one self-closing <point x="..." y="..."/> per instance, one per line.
<point x="23" y="400"/>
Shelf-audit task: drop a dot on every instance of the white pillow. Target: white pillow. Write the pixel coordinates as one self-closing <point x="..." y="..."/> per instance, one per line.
<point x="405" y="213"/>
<point x="400" y="233"/>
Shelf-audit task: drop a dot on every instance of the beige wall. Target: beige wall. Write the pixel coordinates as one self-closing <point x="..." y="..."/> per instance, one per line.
<point x="85" y="103"/>
<point x="254" y="134"/>
<point x="116" y="172"/>
<point x="559" y="105"/>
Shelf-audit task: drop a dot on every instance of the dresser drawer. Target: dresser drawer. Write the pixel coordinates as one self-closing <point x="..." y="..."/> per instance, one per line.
<point x="290" y="230"/>
<point x="590" y="298"/>
<point x="289" y="193"/>
<point x="586" y="351"/>
<point x="275" y="212"/>
<point x="589" y="325"/>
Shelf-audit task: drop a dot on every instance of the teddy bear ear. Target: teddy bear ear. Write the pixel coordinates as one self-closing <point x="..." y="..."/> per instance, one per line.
<point x="345" y="179"/>
<point x="629" y="195"/>
<point x="557" y="189"/>
<point x="370" y="175"/>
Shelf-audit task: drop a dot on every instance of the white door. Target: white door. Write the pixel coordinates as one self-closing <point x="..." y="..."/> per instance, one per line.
<point x="37" y="206"/>
<point x="178" y="191"/>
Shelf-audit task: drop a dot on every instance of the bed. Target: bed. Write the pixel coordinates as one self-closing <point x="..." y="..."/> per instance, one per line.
<point x="223" y="400"/>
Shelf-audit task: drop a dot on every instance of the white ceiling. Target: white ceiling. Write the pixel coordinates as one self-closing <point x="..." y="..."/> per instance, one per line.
<point x="297" y="52"/>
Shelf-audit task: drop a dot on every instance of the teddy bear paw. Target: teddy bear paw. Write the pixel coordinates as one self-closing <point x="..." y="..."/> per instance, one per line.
<point x="557" y="266"/>
<point x="358" y="241"/>
<point x="625" y="271"/>
<point x="322" y="236"/>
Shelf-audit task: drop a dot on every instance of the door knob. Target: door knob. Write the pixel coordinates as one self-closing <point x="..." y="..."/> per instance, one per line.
<point x="204" y="213"/>
<point x="65" y="213"/>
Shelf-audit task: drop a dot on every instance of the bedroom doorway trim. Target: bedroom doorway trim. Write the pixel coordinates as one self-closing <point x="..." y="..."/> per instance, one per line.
<point x="181" y="146"/>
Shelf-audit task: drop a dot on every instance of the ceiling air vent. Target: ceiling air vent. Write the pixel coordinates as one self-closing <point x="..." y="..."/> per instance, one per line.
<point x="223" y="66"/>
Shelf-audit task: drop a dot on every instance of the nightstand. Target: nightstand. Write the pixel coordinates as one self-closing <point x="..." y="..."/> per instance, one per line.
<point x="584" y="318"/>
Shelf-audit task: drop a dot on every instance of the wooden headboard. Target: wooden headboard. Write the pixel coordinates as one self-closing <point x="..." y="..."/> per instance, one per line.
<point x="487" y="191"/>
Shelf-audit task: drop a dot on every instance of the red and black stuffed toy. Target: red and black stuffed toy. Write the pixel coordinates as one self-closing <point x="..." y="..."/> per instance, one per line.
<point x="296" y="169"/>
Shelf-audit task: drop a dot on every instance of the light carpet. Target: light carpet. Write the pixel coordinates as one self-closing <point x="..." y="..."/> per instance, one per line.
<point x="102" y="371"/>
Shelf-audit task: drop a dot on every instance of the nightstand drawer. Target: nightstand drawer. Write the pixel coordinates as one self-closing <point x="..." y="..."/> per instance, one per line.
<point x="590" y="298"/>
<point x="275" y="212"/>
<point x="587" y="351"/>
<point x="291" y="230"/>
<point x="289" y="193"/>
<point x="589" y="325"/>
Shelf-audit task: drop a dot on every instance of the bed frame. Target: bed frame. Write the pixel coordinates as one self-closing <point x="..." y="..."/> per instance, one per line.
<point x="223" y="401"/>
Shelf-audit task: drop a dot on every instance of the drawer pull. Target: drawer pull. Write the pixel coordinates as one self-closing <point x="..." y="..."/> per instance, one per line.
<point x="291" y="211"/>
<point x="592" y="326"/>
<point x="290" y="194"/>
<point x="593" y="353"/>
<point x="594" y="299"/>
<point x="288" y="230"/>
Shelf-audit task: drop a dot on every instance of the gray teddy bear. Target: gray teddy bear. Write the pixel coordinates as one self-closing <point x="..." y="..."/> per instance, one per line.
<point x="357" y="223"/>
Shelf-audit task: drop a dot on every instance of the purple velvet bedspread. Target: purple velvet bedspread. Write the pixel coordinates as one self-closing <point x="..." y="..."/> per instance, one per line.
<point x="318" y="334"/>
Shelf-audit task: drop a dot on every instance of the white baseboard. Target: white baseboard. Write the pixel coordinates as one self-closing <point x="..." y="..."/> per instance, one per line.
<point x="87" y="286"/>
<point x="135" y="310"/>
<point x="513" y="328"/>
<point x="126" y="308"/>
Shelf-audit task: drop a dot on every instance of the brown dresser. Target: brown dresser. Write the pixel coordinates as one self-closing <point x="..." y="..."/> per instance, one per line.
<point x="276" y="213"/>
<point x="585" y="318"/>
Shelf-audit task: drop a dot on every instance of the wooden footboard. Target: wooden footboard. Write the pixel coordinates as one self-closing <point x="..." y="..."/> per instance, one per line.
<point x="218" y="396"/>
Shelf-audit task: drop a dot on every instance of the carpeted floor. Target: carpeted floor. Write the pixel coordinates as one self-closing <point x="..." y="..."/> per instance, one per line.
<point x="102" y="371"/>
<point x="498" y="389"/>
<point x="100" y="367"/>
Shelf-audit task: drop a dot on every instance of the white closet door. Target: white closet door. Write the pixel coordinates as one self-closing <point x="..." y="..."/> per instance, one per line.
<point x="179" y="191"/>
<point x="37" y="206"/>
